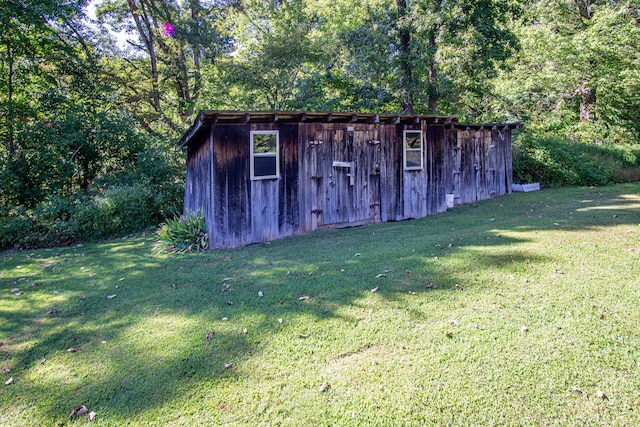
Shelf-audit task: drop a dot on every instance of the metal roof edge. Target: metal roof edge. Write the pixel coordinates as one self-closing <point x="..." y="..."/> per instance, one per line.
<point x="488" y="126"/>
<point x="207" y="117"/>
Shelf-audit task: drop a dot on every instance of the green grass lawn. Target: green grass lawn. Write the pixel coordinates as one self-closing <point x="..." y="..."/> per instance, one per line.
<point x="513" y="311"/>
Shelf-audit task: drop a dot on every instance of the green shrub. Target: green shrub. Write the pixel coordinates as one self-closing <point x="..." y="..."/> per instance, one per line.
<point x="554" y="161"/>
<point x="17" y="228"/>
<point x="87" y="216"/>
<point x="185" y="234"/>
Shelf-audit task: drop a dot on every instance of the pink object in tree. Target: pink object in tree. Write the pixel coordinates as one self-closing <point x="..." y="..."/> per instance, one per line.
<point x="167" y="29"/>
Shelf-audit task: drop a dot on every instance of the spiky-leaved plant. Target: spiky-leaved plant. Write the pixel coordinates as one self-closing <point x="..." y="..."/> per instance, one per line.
<point x="183" y="234"/>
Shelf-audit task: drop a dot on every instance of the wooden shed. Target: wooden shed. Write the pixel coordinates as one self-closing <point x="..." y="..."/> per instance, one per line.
<point x="265" y="175"/>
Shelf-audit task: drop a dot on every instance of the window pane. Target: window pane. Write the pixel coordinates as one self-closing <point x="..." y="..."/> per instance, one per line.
<point x="413" y="139"/>
<point x="264" y="166"/>
<point x="264" y="142"/>
<point x="413" y="158"/>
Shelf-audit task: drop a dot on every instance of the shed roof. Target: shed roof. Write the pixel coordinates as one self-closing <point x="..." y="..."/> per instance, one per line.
<point x="210" y="117"/>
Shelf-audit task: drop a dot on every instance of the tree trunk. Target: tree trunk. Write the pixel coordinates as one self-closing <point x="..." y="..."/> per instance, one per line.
<point x="10" y="110"/>
<point x="584" y="8"/>
<point x="146" y="34"/>
<point x="587" y="93"/>
<point x="433" y="73"/>
<point x="587" y="102"/>
<point x="406" y="72"/>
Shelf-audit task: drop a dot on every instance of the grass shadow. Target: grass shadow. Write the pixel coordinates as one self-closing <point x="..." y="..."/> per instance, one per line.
<point x="147" y="346"/>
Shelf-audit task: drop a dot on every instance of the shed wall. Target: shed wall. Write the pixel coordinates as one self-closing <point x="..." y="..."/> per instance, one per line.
<point x="335" y="175"/>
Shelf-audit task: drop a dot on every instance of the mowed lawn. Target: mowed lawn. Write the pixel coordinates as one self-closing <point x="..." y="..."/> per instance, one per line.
<point x="522" y="310"/>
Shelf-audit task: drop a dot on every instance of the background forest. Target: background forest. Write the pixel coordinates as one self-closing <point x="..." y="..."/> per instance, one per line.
<point x="89" y="121"/>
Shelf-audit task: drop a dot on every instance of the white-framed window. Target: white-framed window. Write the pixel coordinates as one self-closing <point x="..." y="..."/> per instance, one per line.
<point x="265" y="154"/>
<point x="413" y="149"/>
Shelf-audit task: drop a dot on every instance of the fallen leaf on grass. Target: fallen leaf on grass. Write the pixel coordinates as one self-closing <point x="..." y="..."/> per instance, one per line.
<point x="303" y="297"/>
<point x="6" y="370"/>
<point x="224" y="319"/>
<point x="358" y="254"/>
<point x="229" y="303"/>
<point x="323" y="387"/>
<point x="78" y="410"/>
<point x="375" y="289"/>
<point x="92" y="416"/>
<point x="72" y="350"/>
<point x="448" y="333"/>
<point x="413" y="293"/>
<point x="381" y="275"/>
<point x="226" y="279"/>
<point x="210" y="335"/>
<point x="260" y="294"/>
<point x="453" y="322"/>
<point x="13" y="291"/>
<point x="302" y="335"/>
<point x="111" y="296"/>
<point x="52" y="312"/>
<point x="557" y="326"/>
<point x="9" y="381"/>
<point x="524" y="329"/>
<point x="407" y="271"/>
<point x="601" y="394"/>
<point x="457" y="286"/>
<point x="602" y="316"/>
<point x="228" y="365"/>
<point x="92" y="275"/>
<point x="575" y="389"/>
<point x="279" y="320"/>
<point x="245" y="330"/>
<point x="120" y="279"/>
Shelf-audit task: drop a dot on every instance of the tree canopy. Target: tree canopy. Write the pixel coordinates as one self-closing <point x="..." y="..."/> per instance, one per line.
<point x="80" y="112"/>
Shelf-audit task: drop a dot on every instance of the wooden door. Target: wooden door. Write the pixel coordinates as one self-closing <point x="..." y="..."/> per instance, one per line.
<point x="351" y="185"/>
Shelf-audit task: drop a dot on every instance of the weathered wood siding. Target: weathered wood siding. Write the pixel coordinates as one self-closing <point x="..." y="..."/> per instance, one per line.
<point x="339" y="174"/>
<point x="199" y="179"/>
<point x="336" y="175"/>
<point x="391" y="189"/>
<point x="438" y="165"/>
<point x="481" y="165"/>
<point x="415" y="183"/>
<point x="238" y="210"/>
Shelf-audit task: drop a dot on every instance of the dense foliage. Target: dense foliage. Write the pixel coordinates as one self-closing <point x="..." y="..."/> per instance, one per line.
<point x="88" y="125"/>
